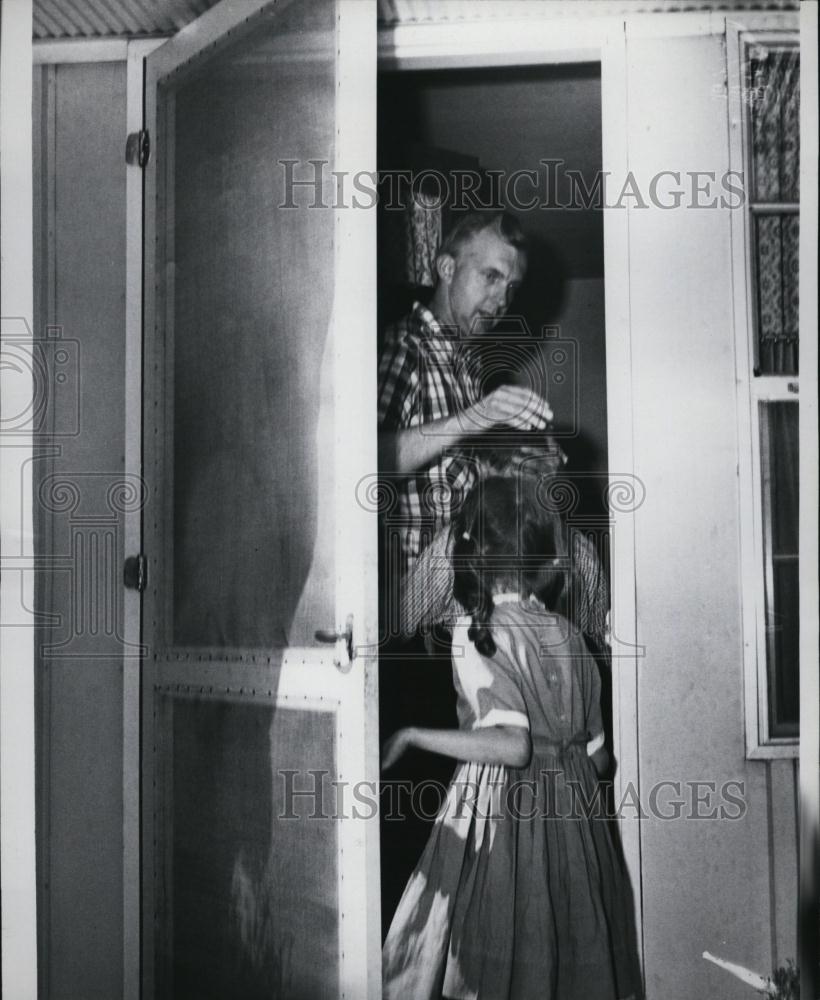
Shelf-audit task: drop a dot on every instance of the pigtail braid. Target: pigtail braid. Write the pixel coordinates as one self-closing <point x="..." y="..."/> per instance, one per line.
<point x="480" y="632"/>
<point x="471" y="586"/>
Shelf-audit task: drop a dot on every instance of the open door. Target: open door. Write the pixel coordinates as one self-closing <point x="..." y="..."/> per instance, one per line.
<point x="260" y="742"/>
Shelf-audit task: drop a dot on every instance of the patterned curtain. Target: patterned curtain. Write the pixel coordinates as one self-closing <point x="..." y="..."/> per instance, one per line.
<point x="775" y="107"/>
<point x="414" y="239"/>
<point x="777" y="244"/>
<point x="774" y="99"/>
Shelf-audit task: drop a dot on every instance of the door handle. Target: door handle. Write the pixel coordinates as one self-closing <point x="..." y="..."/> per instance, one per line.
<point x="343" y="640"/>
<point x="135" y="573"/>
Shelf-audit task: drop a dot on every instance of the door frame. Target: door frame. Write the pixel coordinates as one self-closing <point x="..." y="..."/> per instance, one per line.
<point x="17" y="411"/>
<point x="539" y="41"/>
<point x="132" y="52"/>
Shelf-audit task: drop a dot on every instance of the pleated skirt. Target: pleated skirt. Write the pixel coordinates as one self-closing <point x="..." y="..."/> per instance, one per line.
<point x="519" y="894"/>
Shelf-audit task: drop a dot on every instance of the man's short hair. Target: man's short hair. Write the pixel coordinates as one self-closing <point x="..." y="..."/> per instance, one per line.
<point x="470" y="223"/>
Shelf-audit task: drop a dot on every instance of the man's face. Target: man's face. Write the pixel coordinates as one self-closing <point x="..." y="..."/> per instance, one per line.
<point x="480" y="280"/>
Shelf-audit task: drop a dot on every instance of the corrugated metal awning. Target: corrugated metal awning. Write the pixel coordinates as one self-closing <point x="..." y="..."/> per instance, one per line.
<point x="129" y="18"/>
<point x="113" y="18"/>
<point x="397" y="12"/>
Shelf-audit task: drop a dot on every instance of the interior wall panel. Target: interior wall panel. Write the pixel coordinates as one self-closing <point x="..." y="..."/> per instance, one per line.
<point x="80" y="498"/>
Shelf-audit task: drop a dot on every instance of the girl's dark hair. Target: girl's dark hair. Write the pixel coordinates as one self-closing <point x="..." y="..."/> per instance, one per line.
<point x="503" y="534"/>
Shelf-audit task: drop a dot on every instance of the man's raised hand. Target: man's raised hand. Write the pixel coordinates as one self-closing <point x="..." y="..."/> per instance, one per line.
<point x="514" y="406"/>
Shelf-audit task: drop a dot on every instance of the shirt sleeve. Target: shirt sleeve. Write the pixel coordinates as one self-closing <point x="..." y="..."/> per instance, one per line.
<point x="398" y="383"/>
<point x="427" y="589"/>
<point x="594" y="595"/>
<point x="487" y="686"/>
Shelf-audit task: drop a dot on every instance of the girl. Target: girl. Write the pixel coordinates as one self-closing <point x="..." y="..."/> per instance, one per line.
<point x="519" y="893"/>
<point x="426" y="593"/>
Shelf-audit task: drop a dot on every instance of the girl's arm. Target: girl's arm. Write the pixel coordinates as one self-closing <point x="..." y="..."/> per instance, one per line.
<point x="509" y="745"/>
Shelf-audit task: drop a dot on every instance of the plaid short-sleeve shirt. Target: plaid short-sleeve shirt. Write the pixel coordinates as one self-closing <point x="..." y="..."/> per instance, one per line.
<point x="427" y="373"/>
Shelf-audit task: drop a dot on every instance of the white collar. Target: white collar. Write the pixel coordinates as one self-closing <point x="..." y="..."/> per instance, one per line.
<point x="509" y="597"/>
<point x="514" y="597"/>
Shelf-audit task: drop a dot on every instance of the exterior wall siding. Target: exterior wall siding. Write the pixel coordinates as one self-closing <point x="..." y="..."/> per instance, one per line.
<point x="725" y="886"/>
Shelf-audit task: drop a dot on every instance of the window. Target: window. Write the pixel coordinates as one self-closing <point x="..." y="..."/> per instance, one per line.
<point x="779" y="493"/>
<point x="764" y="112"/>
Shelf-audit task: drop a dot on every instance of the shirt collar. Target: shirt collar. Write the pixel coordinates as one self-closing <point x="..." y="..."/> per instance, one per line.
<point x="430" y="323"/>
<point x="514" y="597"/>
<point x="509" y="597"/>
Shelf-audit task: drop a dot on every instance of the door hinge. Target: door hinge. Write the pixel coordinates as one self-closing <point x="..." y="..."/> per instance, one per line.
<point x="138" y="148"/>
<point x="135" y="573"/>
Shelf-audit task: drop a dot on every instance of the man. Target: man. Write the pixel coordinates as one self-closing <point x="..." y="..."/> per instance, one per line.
<point x="430" y="396"/>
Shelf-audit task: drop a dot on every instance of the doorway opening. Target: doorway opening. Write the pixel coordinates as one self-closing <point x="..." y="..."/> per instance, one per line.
<point x="524" y="133"/>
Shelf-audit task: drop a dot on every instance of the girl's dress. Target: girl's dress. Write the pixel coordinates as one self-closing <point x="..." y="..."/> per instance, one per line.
<point x="519" y="893"/>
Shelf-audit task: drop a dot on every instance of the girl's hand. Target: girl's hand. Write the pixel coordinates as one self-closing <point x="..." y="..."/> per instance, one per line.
<point x="395" y="747"/>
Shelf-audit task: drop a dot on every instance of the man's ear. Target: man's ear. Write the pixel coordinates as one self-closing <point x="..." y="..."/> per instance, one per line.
<point x="445" y="267"/>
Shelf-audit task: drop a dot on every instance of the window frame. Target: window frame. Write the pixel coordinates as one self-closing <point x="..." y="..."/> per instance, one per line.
<point x="752" y="390"/>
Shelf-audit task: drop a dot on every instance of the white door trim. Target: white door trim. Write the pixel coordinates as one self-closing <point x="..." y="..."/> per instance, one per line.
<point x="18" y="398"/>
<point x="354" y="386"/>
<point x="132" y="659"/>
<point x="809" y="681"/>
<point x="83" y="50"/>
<point x="546" y="41"/>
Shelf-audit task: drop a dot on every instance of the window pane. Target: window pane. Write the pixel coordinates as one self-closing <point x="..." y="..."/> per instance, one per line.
<point x="785" y="678"/>
<point x="245" y="320"/>
<point x="775" y="114"/>
<point x="246" y="869"/>
<point x="780" y="482"/>
<point x="777" y="244"/>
